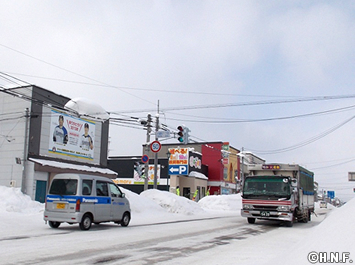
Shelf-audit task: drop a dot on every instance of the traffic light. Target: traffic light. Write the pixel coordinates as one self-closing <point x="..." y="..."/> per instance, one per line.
<point x="143" y="172"/>
<point x="183" y="134"/>
<point x="140" y="169"/>
<point x="137" y="168"/>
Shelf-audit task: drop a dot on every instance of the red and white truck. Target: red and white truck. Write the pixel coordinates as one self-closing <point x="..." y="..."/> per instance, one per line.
<point x="281" y="192"/>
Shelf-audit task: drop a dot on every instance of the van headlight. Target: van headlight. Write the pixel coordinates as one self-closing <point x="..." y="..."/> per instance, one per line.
<point x="283" y="208"/>
<point x="248" y="207"/>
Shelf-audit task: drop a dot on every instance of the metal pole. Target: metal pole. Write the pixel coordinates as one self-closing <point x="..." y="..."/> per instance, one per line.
<point x="168" y="176"/>
<point x="146" y="151"/>
<point x="156" y="153"/>
<point x="242" y="177"/>
<point x="24" y="184"/>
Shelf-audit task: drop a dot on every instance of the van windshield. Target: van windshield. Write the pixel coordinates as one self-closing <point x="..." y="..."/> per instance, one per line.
<point x="64" y="187"/>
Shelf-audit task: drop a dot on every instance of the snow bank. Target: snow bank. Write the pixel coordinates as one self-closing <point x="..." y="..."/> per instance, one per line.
<point x="139" y="205"/>
<point x="13" y="200"/>
<point x="221" y="202"/>
<point x="334" y="234"/>
<point x="173" y="203"/>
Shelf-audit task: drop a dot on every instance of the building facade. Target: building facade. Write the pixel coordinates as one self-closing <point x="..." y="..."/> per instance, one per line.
<point x="40" y="137"/>
<point x="211" y="168"/>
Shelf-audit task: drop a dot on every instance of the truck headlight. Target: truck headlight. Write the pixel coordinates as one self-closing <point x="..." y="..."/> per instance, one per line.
<point x="283" y="208"/>
<point x="248" y="207"/>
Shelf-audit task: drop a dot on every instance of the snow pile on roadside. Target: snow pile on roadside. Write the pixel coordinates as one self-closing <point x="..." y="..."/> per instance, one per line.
<point x="172" y="203"/>
<point x="222" y="202"/>
<point x="149" y="201"/>
<point x="139" y="205"/>
<point x="337" y="226"/>
<point x="13" y="200"/>
<point x="333" y="235"/>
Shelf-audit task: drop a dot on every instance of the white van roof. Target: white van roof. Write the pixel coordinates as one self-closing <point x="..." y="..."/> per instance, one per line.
<point x="80" y="176"/>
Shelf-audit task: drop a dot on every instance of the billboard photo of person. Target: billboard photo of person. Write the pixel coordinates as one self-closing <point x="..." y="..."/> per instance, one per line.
<point x="86" y="141"/>
<point x="60" y="134"/>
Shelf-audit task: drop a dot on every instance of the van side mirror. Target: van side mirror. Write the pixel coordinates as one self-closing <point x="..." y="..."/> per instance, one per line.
<point x="123" y="195"/>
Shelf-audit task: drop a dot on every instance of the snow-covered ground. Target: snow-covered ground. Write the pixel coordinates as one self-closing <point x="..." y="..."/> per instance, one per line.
<point x="22" y="217"/>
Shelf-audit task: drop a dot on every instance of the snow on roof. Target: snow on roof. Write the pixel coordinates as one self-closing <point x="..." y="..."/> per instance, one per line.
<point x="86" y="107"/>
<point x="197" y="175"/>
<point x="63" y="165"/>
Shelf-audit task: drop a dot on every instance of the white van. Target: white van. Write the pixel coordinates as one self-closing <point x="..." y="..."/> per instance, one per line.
<point x="85" y="199"/>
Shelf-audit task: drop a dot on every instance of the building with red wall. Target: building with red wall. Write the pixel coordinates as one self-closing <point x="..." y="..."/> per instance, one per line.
<point x="223" y="167"/>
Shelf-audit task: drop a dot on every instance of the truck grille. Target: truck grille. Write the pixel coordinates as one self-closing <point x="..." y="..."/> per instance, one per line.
<point x="265" y="208"/>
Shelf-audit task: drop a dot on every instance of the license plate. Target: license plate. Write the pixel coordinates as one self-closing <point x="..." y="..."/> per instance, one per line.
<point x="60" y="205"/>
<point x="265" y="214"/>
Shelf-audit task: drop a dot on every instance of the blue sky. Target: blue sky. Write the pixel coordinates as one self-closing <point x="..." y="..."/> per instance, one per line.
<point x="127" y="55"/>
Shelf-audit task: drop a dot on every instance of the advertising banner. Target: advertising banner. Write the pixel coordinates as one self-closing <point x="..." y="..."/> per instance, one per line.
<point x="179" y="161"/>
<point x="71" y="136"/>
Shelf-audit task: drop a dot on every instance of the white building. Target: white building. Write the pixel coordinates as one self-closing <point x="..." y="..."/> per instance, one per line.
<point x="34" y="147"/>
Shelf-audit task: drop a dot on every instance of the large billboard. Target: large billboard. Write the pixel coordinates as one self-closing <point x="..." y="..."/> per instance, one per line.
<point x="71" y="136"/>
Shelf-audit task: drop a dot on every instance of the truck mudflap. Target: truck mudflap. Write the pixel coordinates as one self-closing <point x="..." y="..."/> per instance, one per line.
<point x="267" y="215"/>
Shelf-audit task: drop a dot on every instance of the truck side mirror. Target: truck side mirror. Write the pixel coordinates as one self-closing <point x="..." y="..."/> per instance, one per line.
<point x="294" y="183"/>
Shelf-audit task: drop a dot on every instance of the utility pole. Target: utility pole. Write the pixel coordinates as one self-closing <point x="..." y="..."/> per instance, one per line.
<point x="25" y="153"/>
<point x="156" y="153"/>
<point x="242" y="177"/>
<point x="146" y="151"/>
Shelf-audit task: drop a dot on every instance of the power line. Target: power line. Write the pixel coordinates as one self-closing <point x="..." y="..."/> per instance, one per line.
<point x="227" y="121"/>
<point x="69" y="71"/>
<point x="306" y="142"/>
<point x="243" y="104"/>
<point x="157" y="90"/>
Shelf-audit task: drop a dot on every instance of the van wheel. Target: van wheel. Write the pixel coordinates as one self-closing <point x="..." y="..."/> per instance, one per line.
<point x="125" y="219"/>
<point x="86" y="222"/>
<point x="54" y="224"/>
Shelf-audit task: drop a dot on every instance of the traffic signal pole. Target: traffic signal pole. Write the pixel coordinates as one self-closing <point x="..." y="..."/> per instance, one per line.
<point x="146" y="166"/>
<point x="156" y="153"/>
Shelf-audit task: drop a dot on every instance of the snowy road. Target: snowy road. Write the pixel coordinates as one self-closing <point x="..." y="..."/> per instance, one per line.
<point x="163" y="243"/>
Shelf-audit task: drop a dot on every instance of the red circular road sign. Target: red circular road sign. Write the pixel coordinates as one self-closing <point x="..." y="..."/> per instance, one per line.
<point x="145" y="158"/>
<point x="155" y="146"/>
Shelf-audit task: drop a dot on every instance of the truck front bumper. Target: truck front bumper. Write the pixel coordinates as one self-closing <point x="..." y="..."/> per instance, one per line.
<point x="272" y="215"/>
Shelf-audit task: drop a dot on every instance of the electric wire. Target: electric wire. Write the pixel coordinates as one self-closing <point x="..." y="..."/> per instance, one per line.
<point x="243" y="104"/>
<point x="306" y="142"/>
<point x="227" y="121"/>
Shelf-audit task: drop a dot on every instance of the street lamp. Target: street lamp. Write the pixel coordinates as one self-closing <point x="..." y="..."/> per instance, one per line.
<point x="168" y="154"/>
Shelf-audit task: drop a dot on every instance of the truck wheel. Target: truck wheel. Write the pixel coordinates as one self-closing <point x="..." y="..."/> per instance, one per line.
<point x="86" y="222"/>
<point x="305" y="218"/>
<point x="54" y="224"/>
<point x="125" y="219"/>
<point x="290" y="223"/>
<point x="251" y="220"/>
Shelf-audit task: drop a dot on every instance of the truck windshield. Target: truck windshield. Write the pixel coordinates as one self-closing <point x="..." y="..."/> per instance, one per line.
<point x="64" y="187"/>
<point x="267" y="186"/>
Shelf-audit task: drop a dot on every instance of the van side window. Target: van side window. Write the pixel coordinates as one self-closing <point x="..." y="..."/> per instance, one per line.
<point x="101" y="188"/>
<point x="87" y="187"/>
<point x="115" y="191"/>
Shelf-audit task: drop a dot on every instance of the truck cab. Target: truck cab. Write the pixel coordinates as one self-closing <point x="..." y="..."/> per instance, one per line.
<point x="279" y="192"/>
